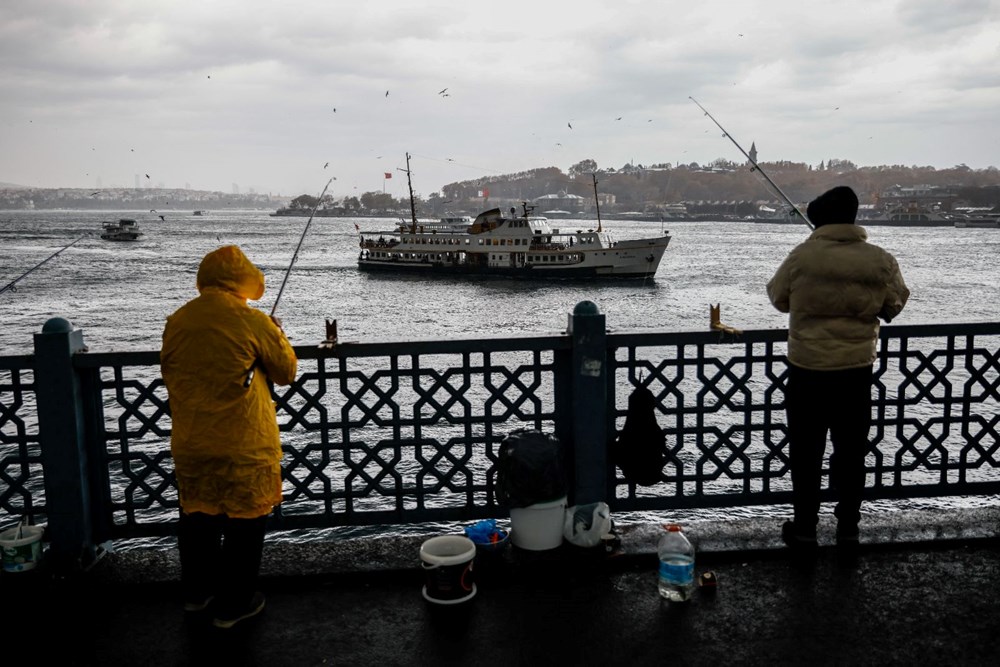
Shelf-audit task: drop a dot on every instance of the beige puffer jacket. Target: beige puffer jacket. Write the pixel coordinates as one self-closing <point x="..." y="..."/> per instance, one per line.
<point x="835" y="286"/>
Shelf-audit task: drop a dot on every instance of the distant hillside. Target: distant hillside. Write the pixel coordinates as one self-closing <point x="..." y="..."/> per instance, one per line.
<point x="11" y="186"/>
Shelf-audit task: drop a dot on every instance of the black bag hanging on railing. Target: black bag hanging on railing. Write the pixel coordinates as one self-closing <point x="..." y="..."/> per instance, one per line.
<point x="640" y="451"/>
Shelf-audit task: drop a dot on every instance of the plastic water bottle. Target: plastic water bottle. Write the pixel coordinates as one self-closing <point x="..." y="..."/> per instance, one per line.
<point x="676" y="565"/>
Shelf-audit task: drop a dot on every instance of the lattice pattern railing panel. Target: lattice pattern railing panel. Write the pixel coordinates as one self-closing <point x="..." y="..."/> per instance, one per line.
<point x="22" y="481"/>
<point x="406" y="437"/>
<point x="936" y="408"/>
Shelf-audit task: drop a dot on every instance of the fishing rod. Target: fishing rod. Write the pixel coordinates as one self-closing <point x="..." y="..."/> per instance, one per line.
<point x="251" y="371"/>
<point x="756" y="167"/>
<point x="295" y="255"/>
<point x="11" y="285"/>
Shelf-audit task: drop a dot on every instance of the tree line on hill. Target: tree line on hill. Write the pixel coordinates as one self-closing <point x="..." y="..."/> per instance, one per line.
<point x="652" y="188"/>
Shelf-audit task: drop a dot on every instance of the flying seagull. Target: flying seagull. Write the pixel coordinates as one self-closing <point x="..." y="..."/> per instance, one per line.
<point x="569" y="125"/>
<point x="387" y="93"/>
<point x="326" y="165"/>
<point x="442" y="91"/>
<point x="99" y="192"/>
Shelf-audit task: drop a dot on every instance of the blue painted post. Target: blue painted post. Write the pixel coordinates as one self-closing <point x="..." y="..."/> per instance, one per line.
<point x="63" y="451"/>
<point x="589" y="391"/>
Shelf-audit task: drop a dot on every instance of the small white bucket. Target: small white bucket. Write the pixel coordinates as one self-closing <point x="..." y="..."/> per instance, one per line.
<point x="21" y="553"/>
<point x="447" y="563"/>
<point x="538" y="527"/>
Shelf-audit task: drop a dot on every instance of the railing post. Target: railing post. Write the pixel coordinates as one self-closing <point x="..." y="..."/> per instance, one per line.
<point x="63" y="450"/>
<point x="589" y="391"/>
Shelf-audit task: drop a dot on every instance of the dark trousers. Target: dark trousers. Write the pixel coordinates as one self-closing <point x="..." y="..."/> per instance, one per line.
<point x="220" y="556"/>
<point x="839" y="403"/>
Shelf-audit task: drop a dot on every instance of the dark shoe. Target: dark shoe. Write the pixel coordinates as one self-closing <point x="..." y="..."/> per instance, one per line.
<point x="798" y="540"/>
<point x="198" y="604"/>
<point x="229" y="618"/>
<point x="847" y="535"/>
<point x="848" y="544"/>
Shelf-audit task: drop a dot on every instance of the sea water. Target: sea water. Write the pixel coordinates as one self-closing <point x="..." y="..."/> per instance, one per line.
<point x="120" y="293"/>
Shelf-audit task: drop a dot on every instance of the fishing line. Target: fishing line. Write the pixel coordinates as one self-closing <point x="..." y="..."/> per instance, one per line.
<point x="11" y="285"/>
<point x="756" y="166"/>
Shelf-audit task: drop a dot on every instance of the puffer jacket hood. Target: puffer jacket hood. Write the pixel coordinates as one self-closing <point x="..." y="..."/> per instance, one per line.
<point x="835" y="286"/>
<point x="229" y="269"/>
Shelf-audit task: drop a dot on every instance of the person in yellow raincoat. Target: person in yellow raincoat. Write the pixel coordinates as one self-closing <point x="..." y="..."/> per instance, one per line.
<point x="217" y="357"/>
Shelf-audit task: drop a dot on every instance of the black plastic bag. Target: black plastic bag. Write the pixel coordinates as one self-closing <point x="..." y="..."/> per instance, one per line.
<point x="640" y="451"/>
<point x="530" y="469"/>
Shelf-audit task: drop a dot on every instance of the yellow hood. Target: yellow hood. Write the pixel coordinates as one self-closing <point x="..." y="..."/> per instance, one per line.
<point x="229" y="269"/>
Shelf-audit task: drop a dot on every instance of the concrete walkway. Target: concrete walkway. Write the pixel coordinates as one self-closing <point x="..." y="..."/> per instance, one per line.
<point x="898" y="603"/>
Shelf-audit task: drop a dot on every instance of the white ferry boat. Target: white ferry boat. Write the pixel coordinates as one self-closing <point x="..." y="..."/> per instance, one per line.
<point x="518" y="245"/>
<point x="123" y="230"/>
<point x="524" y="245"/>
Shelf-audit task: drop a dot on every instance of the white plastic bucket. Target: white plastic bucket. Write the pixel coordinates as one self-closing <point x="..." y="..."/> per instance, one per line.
<point x="447" y="563"/>
<point x="21" y="553"/>
<point x="538" y="527"/>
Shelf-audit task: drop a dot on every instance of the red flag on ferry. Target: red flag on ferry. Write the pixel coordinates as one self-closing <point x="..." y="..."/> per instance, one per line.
<point x="388" y="174"/>
<point x="357" y="228"/>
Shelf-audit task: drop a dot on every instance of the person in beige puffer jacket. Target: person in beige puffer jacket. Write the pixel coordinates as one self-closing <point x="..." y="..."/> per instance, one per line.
<point x="835" y="286"/>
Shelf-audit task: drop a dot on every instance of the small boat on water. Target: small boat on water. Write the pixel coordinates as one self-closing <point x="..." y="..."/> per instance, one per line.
<point x="123" y="230"/>
<point x="515" y="245"/>
<point x="196" y="213"/>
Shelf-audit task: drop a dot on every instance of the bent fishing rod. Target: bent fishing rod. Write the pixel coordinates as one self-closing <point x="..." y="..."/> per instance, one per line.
<point x="288" y="272"/>
<point x="756" y="167"/>
<point x="11" y="285"/>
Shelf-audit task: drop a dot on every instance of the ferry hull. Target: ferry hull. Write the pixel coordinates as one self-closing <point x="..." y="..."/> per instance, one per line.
<point x="532" y="273"/>
<point x="629" y="260"/>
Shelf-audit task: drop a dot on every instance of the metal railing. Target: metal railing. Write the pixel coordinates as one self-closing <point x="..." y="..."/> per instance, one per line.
<point x="405" y="433"/>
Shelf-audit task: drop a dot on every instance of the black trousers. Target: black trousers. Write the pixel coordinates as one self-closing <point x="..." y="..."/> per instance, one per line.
<point x="220" y="556"/>
<point x="839" y="403"/>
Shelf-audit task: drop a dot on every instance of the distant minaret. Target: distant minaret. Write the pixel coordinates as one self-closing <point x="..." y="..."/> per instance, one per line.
<point x="753" y="152"/>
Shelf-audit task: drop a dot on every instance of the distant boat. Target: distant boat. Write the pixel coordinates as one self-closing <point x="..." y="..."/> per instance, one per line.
<point x="123" y="230"/>
<point x="196" y="213"/>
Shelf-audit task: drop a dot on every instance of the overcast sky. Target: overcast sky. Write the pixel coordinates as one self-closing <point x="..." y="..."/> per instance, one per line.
<point x="263" y="94"/>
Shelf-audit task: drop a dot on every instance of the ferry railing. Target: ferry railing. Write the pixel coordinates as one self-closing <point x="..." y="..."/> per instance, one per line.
<point x="396" y="433"/>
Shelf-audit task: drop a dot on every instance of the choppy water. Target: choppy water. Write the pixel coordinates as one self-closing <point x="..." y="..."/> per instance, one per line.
<point x="121" y="293"/>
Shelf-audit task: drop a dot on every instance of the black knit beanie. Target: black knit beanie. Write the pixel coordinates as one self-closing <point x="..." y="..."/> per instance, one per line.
<point x="833" y="207"/>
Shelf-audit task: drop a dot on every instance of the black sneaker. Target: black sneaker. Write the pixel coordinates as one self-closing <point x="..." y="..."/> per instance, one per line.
<point x="847" y="540"/>
<point x="847" y="535"/>
<point x="232" y="617"/>
<point x="795" y="539"/>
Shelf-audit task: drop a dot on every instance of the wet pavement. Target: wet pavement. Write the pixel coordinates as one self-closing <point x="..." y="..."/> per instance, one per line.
<point x="920" y="592"/>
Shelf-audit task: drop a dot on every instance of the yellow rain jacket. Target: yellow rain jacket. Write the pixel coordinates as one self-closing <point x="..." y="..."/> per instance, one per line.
<point x="225" y="441"/>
